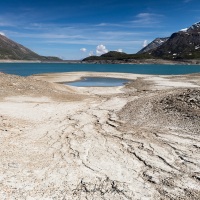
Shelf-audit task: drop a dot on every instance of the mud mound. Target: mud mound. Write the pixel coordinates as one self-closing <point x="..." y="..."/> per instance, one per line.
<point x="12" y="85"/>
<point x="185" y="103"/>
<point x="179" y="109"/>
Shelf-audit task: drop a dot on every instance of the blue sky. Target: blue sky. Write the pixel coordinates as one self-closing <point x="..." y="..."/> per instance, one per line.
<point x="74" y="29"/>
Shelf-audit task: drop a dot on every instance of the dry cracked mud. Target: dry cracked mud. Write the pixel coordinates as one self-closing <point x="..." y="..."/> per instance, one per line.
<point x="138" y="142"/>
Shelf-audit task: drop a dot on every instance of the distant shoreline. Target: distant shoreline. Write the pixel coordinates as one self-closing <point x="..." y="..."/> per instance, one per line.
<point x="38" y="61"/>
<point x="132" y="61"/>
<point x="145" y="61"/>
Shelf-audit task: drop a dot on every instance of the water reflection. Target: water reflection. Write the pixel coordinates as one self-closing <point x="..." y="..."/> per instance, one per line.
<point x="98" y="82"/>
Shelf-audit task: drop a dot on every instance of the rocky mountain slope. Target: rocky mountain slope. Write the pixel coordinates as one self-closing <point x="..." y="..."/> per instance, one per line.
<point x="10" y="50"/>
<point x="184" y="44"/>
<point x="153" y="45"/>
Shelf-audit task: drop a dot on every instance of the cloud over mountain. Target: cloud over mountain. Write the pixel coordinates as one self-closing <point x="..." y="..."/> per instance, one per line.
<point x="1" y="33"/>
<point x="101" y="49"/>
<point x="145" y="43"/>
<point x="83" y="49"/>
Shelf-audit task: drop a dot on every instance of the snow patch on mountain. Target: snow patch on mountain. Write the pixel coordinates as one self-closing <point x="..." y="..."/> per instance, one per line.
<point x="184" y="29"/>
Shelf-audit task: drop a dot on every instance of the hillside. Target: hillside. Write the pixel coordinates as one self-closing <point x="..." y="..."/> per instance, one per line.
<point x="10" y="50"/>
<point x="116" y="56"/>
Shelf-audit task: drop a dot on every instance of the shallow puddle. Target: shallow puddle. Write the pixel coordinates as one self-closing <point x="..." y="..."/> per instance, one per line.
<point x="98" y="82"/>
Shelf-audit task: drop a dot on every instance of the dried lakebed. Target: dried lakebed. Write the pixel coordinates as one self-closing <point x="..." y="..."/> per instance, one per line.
<point x="138" y="141"/>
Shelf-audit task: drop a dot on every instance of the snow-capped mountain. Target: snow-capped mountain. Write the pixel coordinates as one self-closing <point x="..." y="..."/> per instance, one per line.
<point x="194" y="28"/>
<point x="153" y="45"/>
<point x="182" y="44"/>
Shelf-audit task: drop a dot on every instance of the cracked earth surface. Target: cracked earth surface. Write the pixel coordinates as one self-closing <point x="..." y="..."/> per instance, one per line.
<point x="140" y="141"/>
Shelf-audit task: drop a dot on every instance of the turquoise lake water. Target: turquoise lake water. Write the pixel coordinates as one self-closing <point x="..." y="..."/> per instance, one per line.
<point x="98" y="82"/>
<point x="26" y="69"/>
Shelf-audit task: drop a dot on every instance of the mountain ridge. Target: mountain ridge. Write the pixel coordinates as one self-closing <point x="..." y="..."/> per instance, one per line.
<point x="183" y="45"/>
<point x="11" y="50"/>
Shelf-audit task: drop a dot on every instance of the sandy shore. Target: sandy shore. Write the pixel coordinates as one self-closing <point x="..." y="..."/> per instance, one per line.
<point x="138" y="141"/>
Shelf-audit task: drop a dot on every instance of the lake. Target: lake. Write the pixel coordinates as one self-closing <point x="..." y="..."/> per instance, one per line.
<point x="26" y="69"/>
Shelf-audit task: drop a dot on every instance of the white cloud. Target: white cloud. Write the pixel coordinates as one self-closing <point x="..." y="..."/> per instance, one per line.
<point x="145" y="43"/>
<point x="1" y="33"/>
<point x="91" y="53"/>
<point x="83" y="49"/>
<point x="119" y="50"/>
<point x="147" y="18"/>
<point x="102" y="24"/>
<point x="101" y="49"/>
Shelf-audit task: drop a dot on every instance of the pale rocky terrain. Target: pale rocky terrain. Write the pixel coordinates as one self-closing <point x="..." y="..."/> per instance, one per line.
<point x="140" y="141"/>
